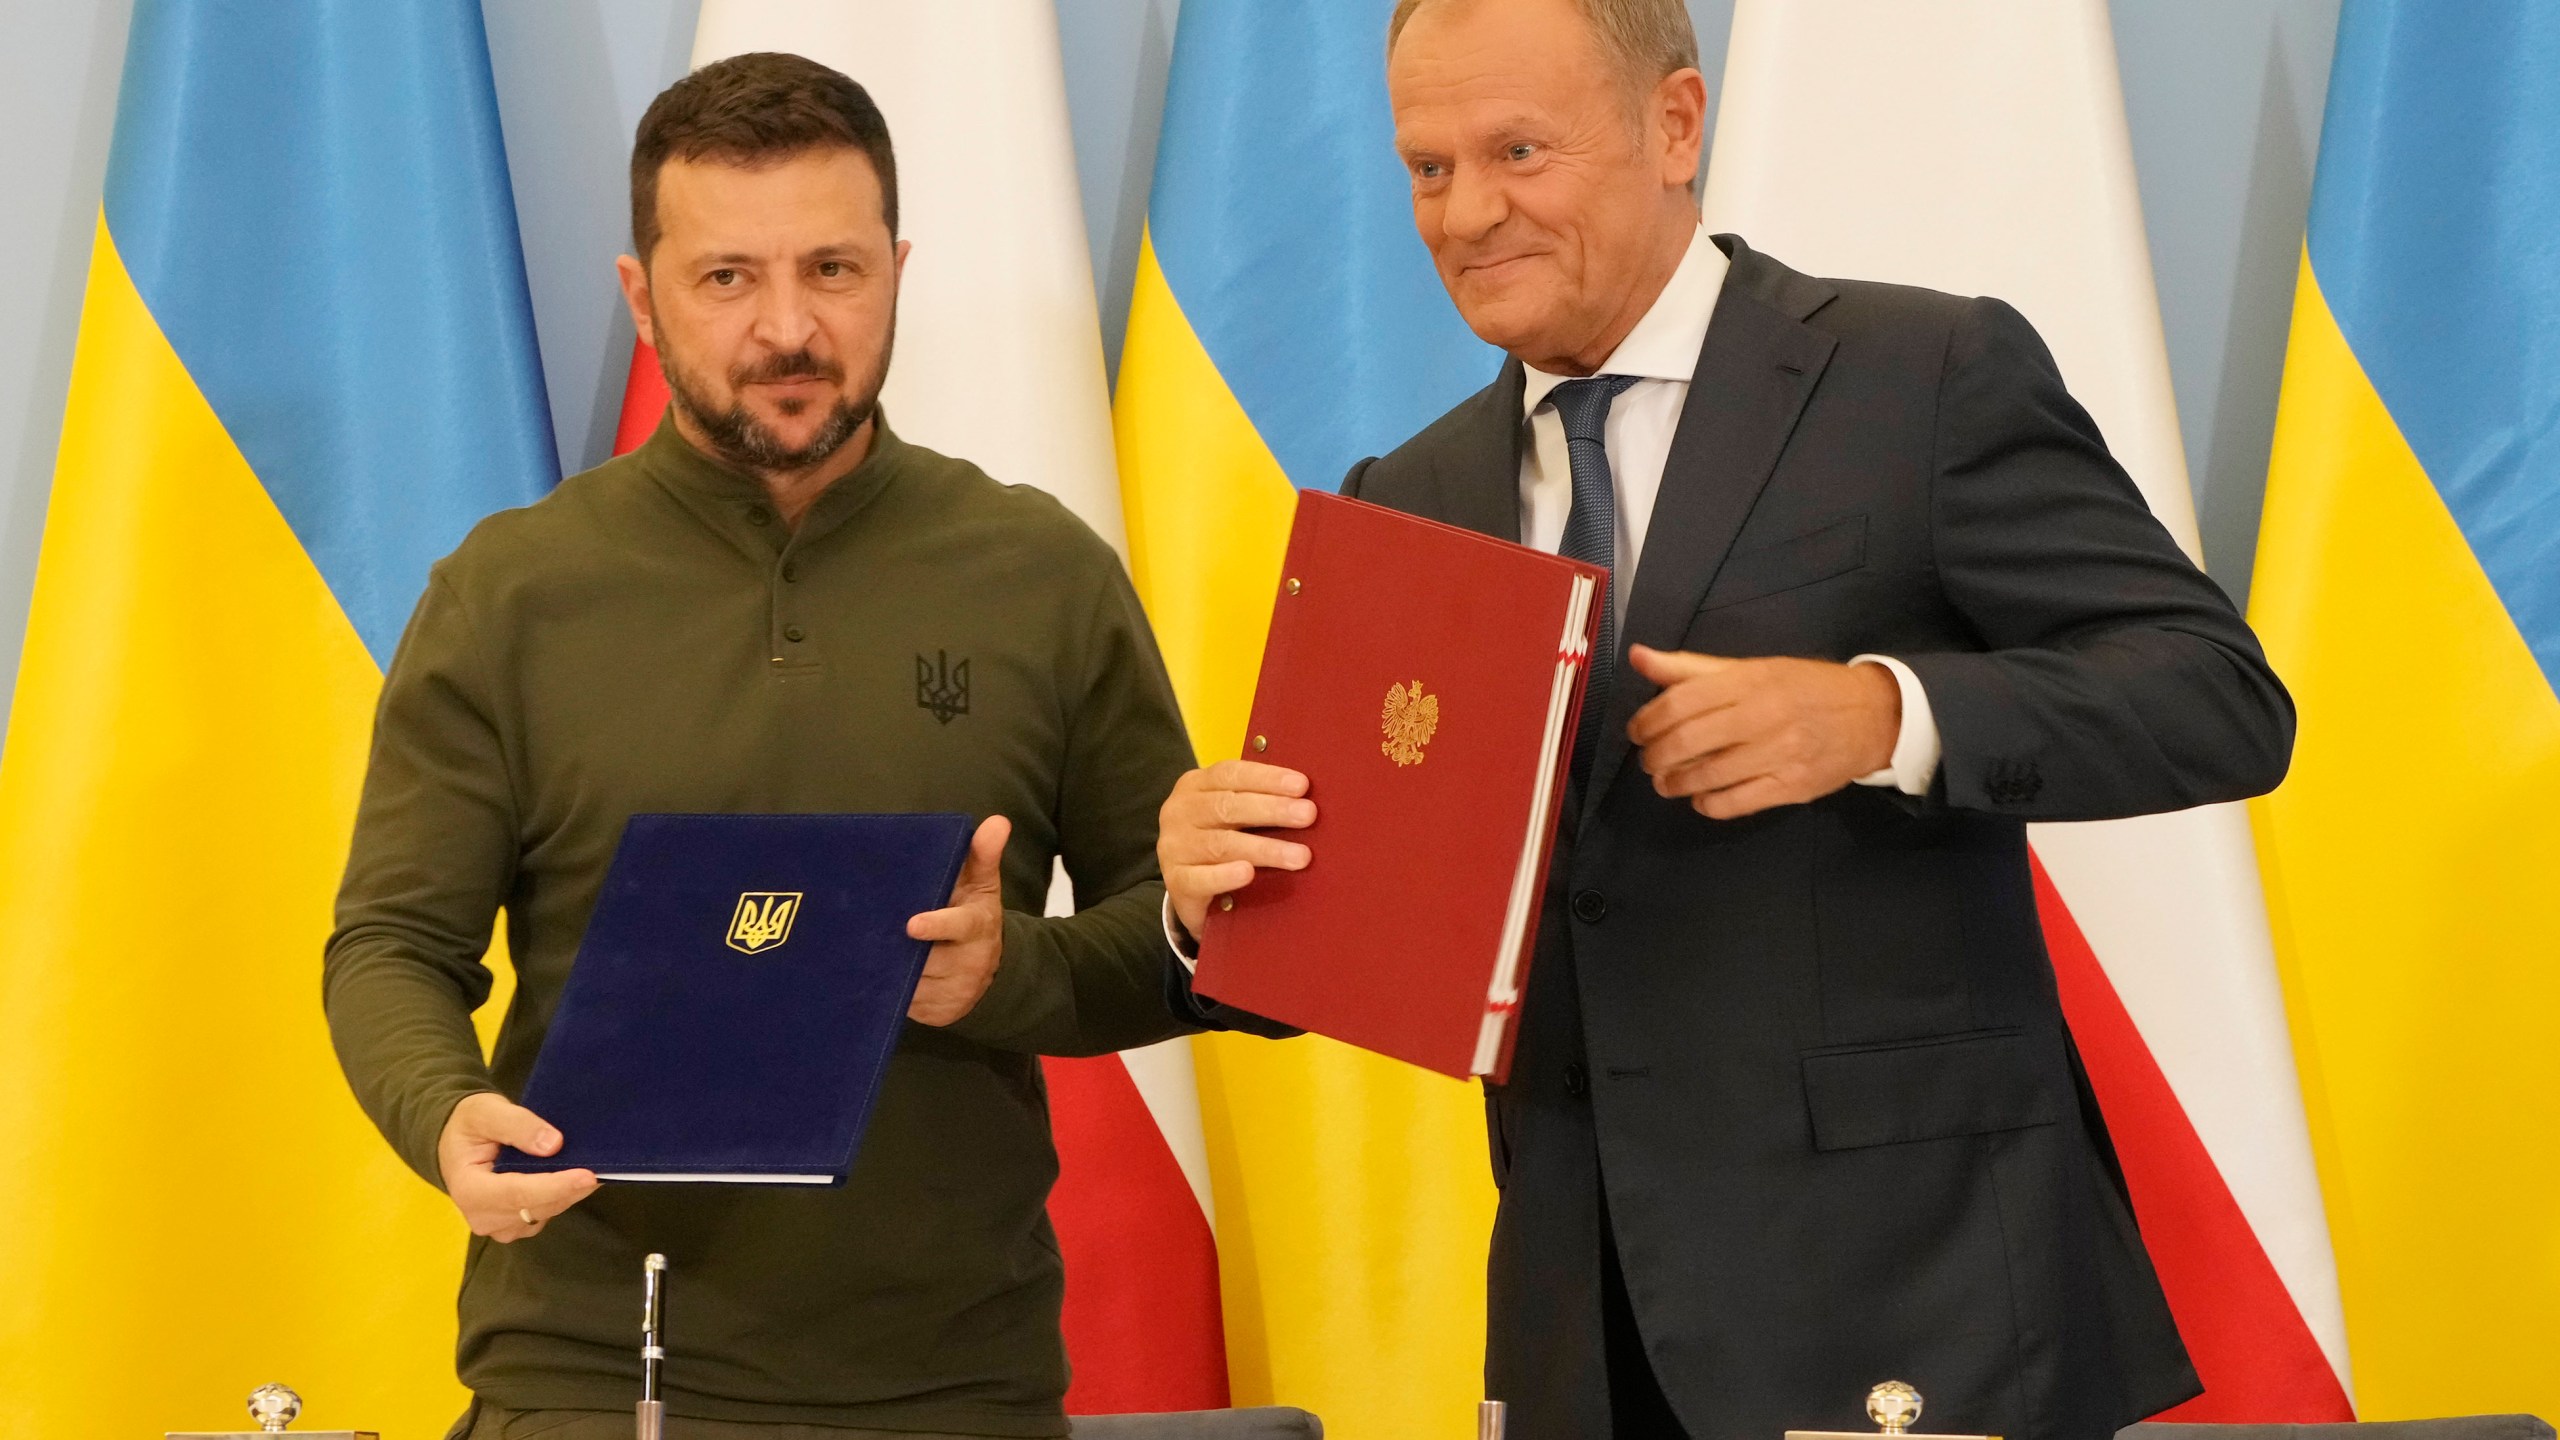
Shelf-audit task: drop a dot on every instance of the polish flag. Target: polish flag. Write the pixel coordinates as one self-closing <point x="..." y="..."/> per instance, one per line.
<point x="999" y="361"/>
<point x="1979" y="147"/>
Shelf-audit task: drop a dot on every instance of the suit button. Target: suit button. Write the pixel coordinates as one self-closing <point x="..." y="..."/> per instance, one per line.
<point x="1577" y="1081"/>
<point x="795" y="634"/>
<point x="1589" y="906"/>
<point x="758" y="515"/>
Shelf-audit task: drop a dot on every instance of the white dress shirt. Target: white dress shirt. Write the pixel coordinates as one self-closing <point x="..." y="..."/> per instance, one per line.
<point x="1662" y="353"/>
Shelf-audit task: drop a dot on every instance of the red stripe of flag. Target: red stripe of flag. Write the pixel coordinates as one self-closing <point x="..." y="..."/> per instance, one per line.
<point x="1142" y="1319"/>
<point x="2257" y="1358"/>
<point x="644" y="399"/>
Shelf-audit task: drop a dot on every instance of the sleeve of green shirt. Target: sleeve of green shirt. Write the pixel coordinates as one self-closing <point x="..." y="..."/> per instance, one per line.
<point x="433" y="857"/>
<point x="1094" y="982"/>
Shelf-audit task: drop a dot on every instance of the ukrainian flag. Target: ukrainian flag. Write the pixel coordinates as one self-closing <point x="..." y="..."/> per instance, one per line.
<point x="2408" y="587"/>
<point x="305" y="366"/>
<point x="1287" y="322"/>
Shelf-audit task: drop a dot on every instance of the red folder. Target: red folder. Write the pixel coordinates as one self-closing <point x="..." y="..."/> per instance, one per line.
<point x="1427" y="681"/>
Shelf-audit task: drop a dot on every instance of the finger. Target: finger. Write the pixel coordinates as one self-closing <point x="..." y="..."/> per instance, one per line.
<point x="1693" y="740"/>
<point x="945" y="962"/>
<point x="511" y="1207"/>
<point x="507" y="1123"/>
<point x="983" y="871"/>
<point x="1720" y="771"/>
<point x="940" y="1004"/>
<point x="1249" y="810"/>
<point x="1686" y="700"/>
<point x="543" y="1196"/>
<point x="1206" y="882"/>
<point x="1669" y="667"/>
<point x="1748" y="798"/>
<point x="1252" y="775"/>
<point x="957" y="923"/>
<point x="1218" y="847"/>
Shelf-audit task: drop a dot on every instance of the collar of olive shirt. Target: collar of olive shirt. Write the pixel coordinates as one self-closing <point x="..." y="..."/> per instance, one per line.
<point x="735" y="502"/>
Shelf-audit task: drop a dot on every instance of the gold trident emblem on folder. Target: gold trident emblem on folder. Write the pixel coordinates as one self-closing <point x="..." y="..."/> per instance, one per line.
<point x="763" y="920"/>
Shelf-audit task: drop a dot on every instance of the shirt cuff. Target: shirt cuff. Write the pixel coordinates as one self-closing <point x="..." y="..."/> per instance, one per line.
<point x="1188" y="952"/>
<point x="1916" y="749"/>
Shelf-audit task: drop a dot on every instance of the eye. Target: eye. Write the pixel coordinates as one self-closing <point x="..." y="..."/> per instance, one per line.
<point x="1429" y="169"/>
<point x="1521" y="150"/>
<point x="833" y="269"/>
<point x="723" y="278"/>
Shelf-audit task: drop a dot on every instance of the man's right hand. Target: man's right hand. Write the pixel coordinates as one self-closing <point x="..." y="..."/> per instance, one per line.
<point x="504" y="1207"/>
<point x="1200" y="839"/>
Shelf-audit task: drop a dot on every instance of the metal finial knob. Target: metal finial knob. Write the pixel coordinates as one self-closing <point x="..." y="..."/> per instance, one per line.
<point x="1894" y="1406"/>
<point x="274" y="1407"/>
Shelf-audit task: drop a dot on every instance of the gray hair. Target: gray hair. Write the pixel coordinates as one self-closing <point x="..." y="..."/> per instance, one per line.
<point x="1644" y="40"/>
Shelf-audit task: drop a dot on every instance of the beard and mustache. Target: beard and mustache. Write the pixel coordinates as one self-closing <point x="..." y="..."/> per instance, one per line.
<point x="737" y="436"/>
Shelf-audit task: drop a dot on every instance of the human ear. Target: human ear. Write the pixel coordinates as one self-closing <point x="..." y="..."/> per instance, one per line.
<point x="634" y="278"/>
<point x="1680" y="124"/>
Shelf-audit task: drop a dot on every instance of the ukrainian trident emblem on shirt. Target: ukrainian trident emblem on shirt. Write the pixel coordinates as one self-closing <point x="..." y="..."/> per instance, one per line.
<point x="942" y="688"/>
<point x="1409" y="720"/>
<point x="763" y="920"/>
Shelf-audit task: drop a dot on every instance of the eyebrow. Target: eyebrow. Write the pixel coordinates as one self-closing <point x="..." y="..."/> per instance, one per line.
<point x="838" y="250"/>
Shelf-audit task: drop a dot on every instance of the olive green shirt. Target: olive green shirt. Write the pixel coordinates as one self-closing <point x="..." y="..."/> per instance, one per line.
<point x="653" y="637"/>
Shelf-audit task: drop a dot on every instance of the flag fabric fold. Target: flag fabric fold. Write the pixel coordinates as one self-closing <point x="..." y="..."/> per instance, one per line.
<point x="306" y="366"/>
<point x="1286" y="322"/>
<point x="2408" y="586"/>
<point x="1979" y="147"/>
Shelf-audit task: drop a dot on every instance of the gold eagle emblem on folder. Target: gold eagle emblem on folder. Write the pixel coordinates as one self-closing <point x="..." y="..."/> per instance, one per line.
<point x="763" y="920"/>
<point x="1409" y="720"/>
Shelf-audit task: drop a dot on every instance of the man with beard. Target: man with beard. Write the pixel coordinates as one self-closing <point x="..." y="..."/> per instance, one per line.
<point x="774" y="605"/>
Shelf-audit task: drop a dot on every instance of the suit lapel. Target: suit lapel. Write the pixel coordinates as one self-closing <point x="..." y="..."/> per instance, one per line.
<point x="1479" y="475"/>
<point x="1759" y="365"/>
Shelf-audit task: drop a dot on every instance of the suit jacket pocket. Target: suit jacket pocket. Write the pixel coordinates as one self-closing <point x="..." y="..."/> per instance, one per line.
<point x="1816" y="555"/>
<point x="1967" y="1084"/>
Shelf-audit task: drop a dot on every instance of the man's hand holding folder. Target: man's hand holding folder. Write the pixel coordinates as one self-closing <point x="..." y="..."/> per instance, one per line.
<point x="504" y="1207"/>
<point x="1204" y="844"/>
<point x="968" y="947"/>
<point x="967" y="935"/>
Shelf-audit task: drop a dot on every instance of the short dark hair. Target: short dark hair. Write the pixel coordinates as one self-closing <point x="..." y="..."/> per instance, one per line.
<point x="755" y="109"/>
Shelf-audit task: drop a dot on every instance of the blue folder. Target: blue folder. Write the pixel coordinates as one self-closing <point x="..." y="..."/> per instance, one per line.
<point x="734" y="1003"/>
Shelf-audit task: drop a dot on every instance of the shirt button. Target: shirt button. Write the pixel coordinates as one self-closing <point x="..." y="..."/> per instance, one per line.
<point x="794" y="634"/>
<point x="1589" y="907"/>
<point x="758" y="515"/>
<point x="1577" y="1081"/>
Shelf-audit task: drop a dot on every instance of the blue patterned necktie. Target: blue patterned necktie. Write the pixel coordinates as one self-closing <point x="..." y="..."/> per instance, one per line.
<point x="1591" y="535"/>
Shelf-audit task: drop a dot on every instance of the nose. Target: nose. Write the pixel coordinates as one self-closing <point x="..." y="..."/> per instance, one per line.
<point x="1474" y="204"/>
<point x="786" y="318"/>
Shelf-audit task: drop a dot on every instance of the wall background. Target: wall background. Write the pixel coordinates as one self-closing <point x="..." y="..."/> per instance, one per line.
<point x="2223" y="98"/>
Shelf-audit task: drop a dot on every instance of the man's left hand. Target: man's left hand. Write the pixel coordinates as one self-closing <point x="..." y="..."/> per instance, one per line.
<point x="1735" y="737"/>
<point x="968" y="936"/>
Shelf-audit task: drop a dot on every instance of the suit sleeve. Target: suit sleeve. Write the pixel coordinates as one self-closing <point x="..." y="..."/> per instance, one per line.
<point x="2114" y="678"/>
<point x="1359" y="473"/>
